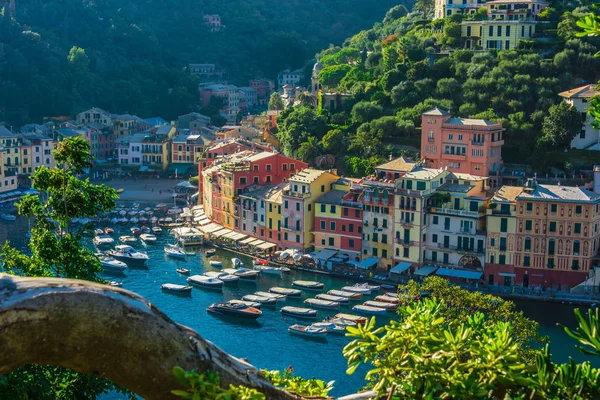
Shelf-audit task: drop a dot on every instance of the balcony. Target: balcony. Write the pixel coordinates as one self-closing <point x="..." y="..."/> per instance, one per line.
<point x="404" y="222"/>
<point x="455" y="212"/>
<point x="455" y="157"/>
<point x="405" y="242"/>
<point x="431" y="140"/>
<point x="461" y="249"/>
<point x="298" y="195"/>
<point x="475" y="143"/>
<point x="352" y="204"/>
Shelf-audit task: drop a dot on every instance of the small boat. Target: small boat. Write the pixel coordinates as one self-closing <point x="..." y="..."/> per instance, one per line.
<point x="267" y="301"/>
<point x="210" y="252"/>
<point x="341" y="321"/>
<point x="317" y="303"/>
<point x="373" y="288"/>
<point x="246" y="303"/>
<point x="222" y="276"/>
<point x="114" y="221"/>
<point x="157" y="230"/>
<point x="237" y="263"/>
<point x="243" y="273"/>
<point x="234" y="309"/>
<point x="103" y="240"/>
<point x="127" y="239"/>
<point x="136" y="205"/>
<point x="177" y="289"/>
<point x="134" y="220"/>
<point x="132" y="213"/>
<point x="115" y="284"/>
<point x="285" y="291"/>
<point x="357" y="289"/>
<point x="119" y="191"/>
<point x="299" y="312"/>
<point x="216" y="263"/>
<point x="265" y="269"/>
<point x="128" y="255"/>
<point x="135" y="231"/>
<point x="381" y="304"/>
<point x="331" y="327"/>
<point x="308" y="331"/>
<point x="148" y="238"/>
<point x="123" y="221"/>
<point x="363" y="309"/>
<point x="174" y="251"/>
<point x="145" y="229"/>
<point x="259" y="261"/>
<point x="183" y="271"/>
<point x="309" y="285"/>
<point x="357" y="319"/>
<point x="205" y="282"/>
<point x="109" y="231"/>
<point x="84" y="221"/>
<point x="112" y="265"/>
<point x="330" y="297"/>
<point x="388" y="299"/>
<point x="98" y="232"/>
<point x="275" y="296"/>
<point x="160" y="205"/>
<point x="122" y="213"/>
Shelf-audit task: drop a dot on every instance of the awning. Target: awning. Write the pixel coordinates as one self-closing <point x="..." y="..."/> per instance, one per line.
<point x="425" y="271"/>
<point x="266" y="246"/>
<point x="368" y="263"/>
<point x="324" y="255"/>
<point x="211" y="228"/>
<point x="198" y="208"/>
<point x="400" y="267"/>
<point x="248" y="240"/>
<point x="238" y="236"/>
<point x="180" y="168"/>
<point x="222" y="232"/>
<point x="256" y="242"/>
<point x="459" y="273"/>
<point x="506" y="274"/>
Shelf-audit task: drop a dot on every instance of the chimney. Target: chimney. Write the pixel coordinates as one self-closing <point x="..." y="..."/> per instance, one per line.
<point x="391" y="158"/>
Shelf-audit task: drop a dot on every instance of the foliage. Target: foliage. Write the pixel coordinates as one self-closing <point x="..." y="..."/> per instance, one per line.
<point x="587" y="333"/>
<point x="332" y="75"/>
<point x="561" y="125"/>
<point x="295" y="384"/>
<point x="208" y="386"/>
<point x="425" y="354"/>
<point x="297" y="124"/>
<point x="591" y="27"/>
<point x="193" y="181"/>
<point x="275" y="102"/>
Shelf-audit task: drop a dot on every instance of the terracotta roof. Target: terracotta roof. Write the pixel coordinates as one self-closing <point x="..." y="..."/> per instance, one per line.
<point x="436" y="111"/>
<point x="399" y="164"/>
<point x="507" y="194"/>
<point x="585" y="92"/>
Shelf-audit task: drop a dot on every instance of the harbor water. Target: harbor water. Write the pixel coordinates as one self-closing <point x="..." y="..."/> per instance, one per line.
<point x="266" y="342"/>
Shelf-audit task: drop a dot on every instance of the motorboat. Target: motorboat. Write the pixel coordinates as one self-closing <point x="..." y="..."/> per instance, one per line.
<point x="134" y="220"/>
<point x="381" y="304"/>
<point x="284" y="269"/>
<point x="216" y="263"/>
<point x="265" y="269"/>
<point x="339" y="321"/>
<point x="331" y="327"/>
<point x="357" y="319"/>
<point x="128" y="255"/>
<point x="148" y="238"/>
<point x="157" y="230"/>
<point x="205" y="282"/>
<point x="182" y="290"/>
<point x="145" y="229"/>
<point x="317" y="303"/>
<point x="388" y="299"/>
<point x="298" y="312"/>
<point x="127" y="239"/>
<point x="243" y="273"/>
<point x="237" y="263"/>
<point x="98" y="232"/>
<point x="234" y="309"/>
<point x="174" y="211"/>
<point x="210" y="252"/>
<point x="160" y="206"/>
<point x="267" y="301"/>
<point x="373" y="288"/>
<point x="109" y="231"/>
<point x="110" y="264"/>
<point x="136" y="205"/>
<point x="246" y="303"/>
<point x="123" y="221"/>
<point x="343" y="293"/>
<point x="309" y="285"/>
<point x="222" y="276"/>
<point x="275" y="296"/>
<point x="183" y="271"/>
<point x="259" y="261"/>
<point x="132" y="213"/>
<point x="187" y="236"/>
<point x="364" y="309"/>
<point x="308" y="331"/>
<point x="286" y="291"/>
<point x="115" y="284"/>
<point x="174" y="251"/>
<point x="330" y="297"/>
<point x="135" y="231"/>
<point x="114" y="221"/>
<point x="103" y="240"/>
<point x="357" y="289"/>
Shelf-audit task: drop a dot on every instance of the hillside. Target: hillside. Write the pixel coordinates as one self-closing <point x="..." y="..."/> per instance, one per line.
<point x="135" y="52"/>
<point x="406" y="65"/>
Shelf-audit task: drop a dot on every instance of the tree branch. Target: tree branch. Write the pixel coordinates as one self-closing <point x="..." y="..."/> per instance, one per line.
<point x="111" y="333"/>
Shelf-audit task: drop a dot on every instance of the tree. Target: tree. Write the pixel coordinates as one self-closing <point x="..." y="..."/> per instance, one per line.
<point x="365" y="111"/>
<point x="332" y="75"/>
<point x="309" y="150"/>
<point x="58" y="255"/>
<point x="424" y="4"/>
<point x="296" y="124"/>
<point x="561" y="125"/>
<point x="395" y="13"/>
<point x="275" y="102"/>
<point x="334" y="142"/>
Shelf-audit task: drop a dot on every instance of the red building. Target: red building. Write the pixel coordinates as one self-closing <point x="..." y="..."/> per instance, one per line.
<point x="264" y="88"/>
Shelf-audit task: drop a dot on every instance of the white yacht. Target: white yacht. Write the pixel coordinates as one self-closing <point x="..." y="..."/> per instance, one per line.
<point x="128" y="255"/>
<point x="103" y="240"/>
<point x="110" y="264"/>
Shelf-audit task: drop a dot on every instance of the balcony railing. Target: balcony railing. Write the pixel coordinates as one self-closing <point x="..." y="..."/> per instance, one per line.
<point x="405" y="242"/>
<point x="477" y="143"/>
<point x="461" y="249"/>
<point x="453" y="211"/>
<point x="299" y="195"/>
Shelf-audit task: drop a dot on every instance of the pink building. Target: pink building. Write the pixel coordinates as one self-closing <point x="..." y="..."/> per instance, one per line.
<point x="472" y="146"/>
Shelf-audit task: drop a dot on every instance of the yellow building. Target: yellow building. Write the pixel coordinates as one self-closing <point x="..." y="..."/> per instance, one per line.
<point x="273" y="205"/>
<point x="8" y="181"/>
<point x="446" y="8"/>
<point x="156" y="152"/>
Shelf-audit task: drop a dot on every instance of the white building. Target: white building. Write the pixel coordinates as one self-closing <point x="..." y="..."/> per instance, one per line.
<point x="589" y="137"/>
<point x="445" y="8"/>
<point x="288" y="77"/>
<point x="94" y="116"/>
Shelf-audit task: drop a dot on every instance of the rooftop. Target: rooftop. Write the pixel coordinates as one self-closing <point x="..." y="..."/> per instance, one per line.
<point x="455" y="187"/>
<point x="514" y="1"/>
<point x="583" y="92"/>
<point x="560" y="194"/>
<point x="5" y="132"/>
<point x="307" y="175"/>
<point x="465" y="177"/>
<point x="469" y="121"/>
<point x="507" y="194"/>
<point x="333" y="197"/>
<point x="399" y="164"/>
<point x="436" y="112"/>
<point x="423" y="173"/>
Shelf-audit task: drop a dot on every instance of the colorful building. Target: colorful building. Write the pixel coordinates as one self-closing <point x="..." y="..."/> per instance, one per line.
<point x="299" y="197"/>
<point x="151" y="151"/>
<point x="187" y="149"/>
<point x="470" y="146"/>
<point x="588" y="137"/>
<point x="446" y="8"/>
<point x="36" y="150"/>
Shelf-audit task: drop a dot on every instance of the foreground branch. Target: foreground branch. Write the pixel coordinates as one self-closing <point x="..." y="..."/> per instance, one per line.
<point x="111" y="333"/>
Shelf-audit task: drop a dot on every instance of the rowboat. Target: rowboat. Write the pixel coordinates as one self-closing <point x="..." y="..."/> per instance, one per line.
<point x="364" y="309"/>
<point x="222" y="276"/>
<point x="342" y="293"/>
<point x="308" y="285"/>
<point x="267" y="301"/>
<point x="246" y="303"/>
<point x="329" y="297"/>
<point x="183" y="271"/>
<point x="317" y="303"/>
<point x="275" y="296"/>
<point x="243" y="273"/>
<point x="299" y="312"/>
<point x="354" y="318"/>
<point x="286" y="291"/>
<point x="181" y="290"/>
<point x="357" y="289"/>
<point x="340" y="321"/>
<point x="381" y="304"/>
<point x="205" y="282"/>
<point x="210" y="252"/>
<point x="388" y="299"/>
<point x="265" y="269"/>
<point x="233" y="309"/>
<point x="127" y="239"/>
<point x="216" y="263"/>
<point x="308" y="331"/>
<point x="331" y="327"/>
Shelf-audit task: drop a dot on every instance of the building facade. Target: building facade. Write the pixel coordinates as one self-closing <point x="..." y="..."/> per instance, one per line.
<point x="589" y="137"/>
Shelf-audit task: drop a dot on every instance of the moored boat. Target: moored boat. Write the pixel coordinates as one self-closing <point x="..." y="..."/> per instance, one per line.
<point x="243" y="273"/>
<point x="308" y="331"/>
<point x="205" y="282"/>
<point x="237" y="263"/>
<point x="381" y="304"/>
<point x="357" y="289"/>
<point x="330" y="297"/>
<point x="331" y="327"/>
<point x="109" y="231"/>
<point x="135" y="231"/>
<point x="308" y="285"/>
<point x="317" y="303"/>
<point x="128" y="255"/>
<point x="157" y="230"/>
<point x="174" y="251"/>
<point x="115" y="284"/>
<point x="341" y="321"/>
<point x="8" y="217"/>
<point x="127" y="239"/>
<point x="222" y="276"/>
<point x="183" y="271"/>
<point x="112" y="265"/>
<point x="388" y="299"/>
<point x="354" y="318"/>
<point x="216" y="263"/>
<point x="246" y="303"/>
<point x="148" y="238"/>
<point x="176" y="289"/>
<point x="210" y="252"/>
<point x="145" y="229"/>
<point x="278" y="297"/>
<point x="286" y="291"/>
<point x="234" y="309"/>
<point x="299" y="312"/>
<point x="98" y="232"/>
<point x="103" y="241"/>
<point x="267" y="301"/>
<point x="265" y="269"/>
<point x="364" y="309"/>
